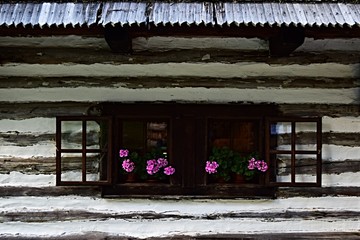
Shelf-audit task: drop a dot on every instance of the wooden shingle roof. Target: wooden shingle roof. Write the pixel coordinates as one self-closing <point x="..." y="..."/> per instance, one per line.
<point x="210" y="13"/>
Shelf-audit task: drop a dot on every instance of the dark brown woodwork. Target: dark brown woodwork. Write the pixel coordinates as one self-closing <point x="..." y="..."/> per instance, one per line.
<point x="91" y="55"/>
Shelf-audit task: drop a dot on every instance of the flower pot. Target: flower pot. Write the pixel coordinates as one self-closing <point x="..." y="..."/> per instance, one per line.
<point x="238" y="178"/>
<point x="131" y="177"/>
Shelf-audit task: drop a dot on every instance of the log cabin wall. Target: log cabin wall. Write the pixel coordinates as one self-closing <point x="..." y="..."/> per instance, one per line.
<point x="44" y="77"/>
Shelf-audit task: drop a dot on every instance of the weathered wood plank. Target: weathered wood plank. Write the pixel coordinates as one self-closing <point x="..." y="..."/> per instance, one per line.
<point x="33" y="110"/>
<point x="331" y="110"/>
<point x="29" y="166"/>
<point x="317" y="191"/>
<point x="41" y="165"/>
<point x="163" y="82"/>
<point x="49" y="191"/>
<point x="308" y="166"/>
<point x="23" y="140"/>
<point x="72" y="215"/>
<point x="90" y="55"/>
<point x="260" y="236"/>
<point x="335" y="138"/>
<point x="41" y="109"/>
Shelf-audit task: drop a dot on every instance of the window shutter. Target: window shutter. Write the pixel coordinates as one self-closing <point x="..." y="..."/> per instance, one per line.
<point x="83" y="150"/>
<point x="293" y="151"/>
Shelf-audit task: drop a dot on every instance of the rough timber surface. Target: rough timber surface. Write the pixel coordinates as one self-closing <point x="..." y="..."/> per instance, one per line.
<point x="58" y="55"/>
<point x="268" y="236"/>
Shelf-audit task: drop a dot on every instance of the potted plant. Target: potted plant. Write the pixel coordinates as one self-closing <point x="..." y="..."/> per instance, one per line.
<point x="224" y="162"/>
<point x="239" y="169"/>
<point x="157" y="165"/>
<point x="153" y="165"/>
<point x="220" y="162"/>
<point x="130" y="163"/>
<point x="246" y="166"/>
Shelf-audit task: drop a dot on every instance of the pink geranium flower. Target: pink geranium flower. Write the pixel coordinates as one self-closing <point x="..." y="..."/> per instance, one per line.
<point x="123" y="152"/>
<point x="169" y="170"/>
<point x="128" y="165"/>
<point x="260" y="165"/>
<point x="211" y="167"/>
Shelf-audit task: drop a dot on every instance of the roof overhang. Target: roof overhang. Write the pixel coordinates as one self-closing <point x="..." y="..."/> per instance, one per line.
<point x="160" y="13"/>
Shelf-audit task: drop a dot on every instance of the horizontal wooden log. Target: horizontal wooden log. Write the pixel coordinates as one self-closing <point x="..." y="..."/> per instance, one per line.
<point x="32" y="166"/>
<point x="308" y="166"/>
<point x="331" y="110"/>
<point x="258" y="236"/>
<point x="90" y="55"/>
<point x="47" y="109"/>
<point x="23" y="140"/>
<point x="49" y="191"/>
<point x="171" y="82"/>
<point x="317" y="191"/>
<point x="182" y="69"/>
<point x="334" y="138"/>
<point x="188" y="94"/>
<point x="46" y="165"/>
<point x="33" y="110"/>
<point x="77" y="215"/>
<point x="95" y="191"/>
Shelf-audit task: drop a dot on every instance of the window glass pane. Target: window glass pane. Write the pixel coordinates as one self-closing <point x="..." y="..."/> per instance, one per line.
<point x="232" y="142"/>
<point x="71" y="134"/>
<point x="305" y="168"/>
<point x="71" y="167"/>
<point x="95" y="166"/>
<point x="280" y="167"/>
<point x="245" y="136"/>
<point x="93" y="135"/>
<point x="238" y="135"/>
<point x="306" y="136"/>
<point x="280" y="136"/>
<point x="145" y="140"/>
<point x="157" y="133"/>
<point x="133" y="135"/>
<point x="219" y="133"/>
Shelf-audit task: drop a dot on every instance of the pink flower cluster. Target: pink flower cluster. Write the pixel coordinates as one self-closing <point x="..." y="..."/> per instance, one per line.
<point x="260" y="165"/>
<point x="169" y="170"/>
<point x="154" y="166"/>
<point x="128" y="165"/>
<point x="123" y="152"/>
<point x="211" y="167"/>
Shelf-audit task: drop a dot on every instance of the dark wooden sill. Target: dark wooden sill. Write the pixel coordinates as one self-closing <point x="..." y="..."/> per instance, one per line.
<point x="167" y="191"/>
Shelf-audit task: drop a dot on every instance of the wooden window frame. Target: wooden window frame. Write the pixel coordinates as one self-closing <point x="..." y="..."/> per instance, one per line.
<point x="187" y="120"/>
<point x="83" y="151"/>
<point x="117" y="142"/>
<point x="293" y="151"/>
